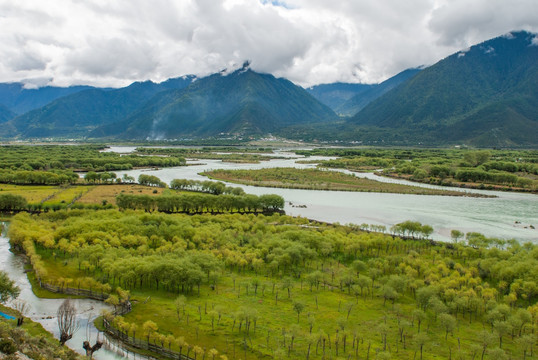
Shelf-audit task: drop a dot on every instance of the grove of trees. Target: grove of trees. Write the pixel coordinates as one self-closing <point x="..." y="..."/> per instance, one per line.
<point x="286" y="287"/>
<point x="198" y="203"/>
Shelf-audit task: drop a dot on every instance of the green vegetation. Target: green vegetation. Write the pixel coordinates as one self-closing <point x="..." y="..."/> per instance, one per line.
<point x="30" y="339"/>
<point x="8" y="289"/>
<point x="211" y="187"/>
<point x="18" y="333"/>
<point x="201" y="203"/>
<point x="251" y="286"/>
<point x="33" y="198"/>
<point x="64" y="159"/>
<point x="10" y="202"/>
<point x="477" y="98"/>
<point x="219" y="104"/>
<point x="228" y="154"/>
<point x="492" y="169"/>
<point x="315" y="179"/>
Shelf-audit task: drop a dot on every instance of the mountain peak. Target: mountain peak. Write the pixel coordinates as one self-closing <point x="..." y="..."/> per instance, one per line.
<point x="485" y="95"/>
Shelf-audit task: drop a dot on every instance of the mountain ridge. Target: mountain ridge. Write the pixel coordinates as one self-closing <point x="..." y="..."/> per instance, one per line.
<point x="467" y="87"/>
<point x="242" y="103"/>
<point x="83" y="111"/>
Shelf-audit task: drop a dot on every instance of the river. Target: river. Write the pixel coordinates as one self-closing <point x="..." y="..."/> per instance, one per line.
<point x="507" y="216"/>
<point x="44" y="310"/>
<point x="494" y="217"/>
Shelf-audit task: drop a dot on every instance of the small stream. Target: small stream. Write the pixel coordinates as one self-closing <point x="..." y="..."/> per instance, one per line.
<point x="44" y="310"/>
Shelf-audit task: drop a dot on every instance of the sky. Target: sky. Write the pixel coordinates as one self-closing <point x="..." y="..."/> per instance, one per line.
<point x="113" y="43"/>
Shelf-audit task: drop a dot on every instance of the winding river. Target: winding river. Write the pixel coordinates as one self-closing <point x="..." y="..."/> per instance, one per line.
<point x="507" y="216"/>
<point x="44" y="310"/>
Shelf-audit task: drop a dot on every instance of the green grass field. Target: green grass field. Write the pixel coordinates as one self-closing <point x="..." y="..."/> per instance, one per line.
<point x="315" y="179"/>
<point x="34" y="194"/>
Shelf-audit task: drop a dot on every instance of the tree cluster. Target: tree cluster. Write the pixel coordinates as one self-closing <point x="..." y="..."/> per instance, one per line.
<point x="30" y="177"/>
<point x="210" y="187"/>
<point x="199" y="203"/>
<point x="80" y="158"/>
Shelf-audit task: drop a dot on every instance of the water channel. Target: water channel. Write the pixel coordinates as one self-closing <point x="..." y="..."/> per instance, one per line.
<point x="507" y="216"/>
<point x="44" y="310"/>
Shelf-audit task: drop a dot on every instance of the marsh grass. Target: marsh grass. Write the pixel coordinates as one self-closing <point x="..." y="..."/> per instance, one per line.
<point x="315" y="179"/>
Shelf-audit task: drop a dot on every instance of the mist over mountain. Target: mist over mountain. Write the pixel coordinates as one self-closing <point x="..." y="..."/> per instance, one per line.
<point x="486" y="95"/>
<point x="359" y="101"/>
<point x="19" y="99"/>
<point x="348" y="99"/>
<point x="243" y="102"/>
<point x="337" y="94"/>
<point x="83" y="111"/>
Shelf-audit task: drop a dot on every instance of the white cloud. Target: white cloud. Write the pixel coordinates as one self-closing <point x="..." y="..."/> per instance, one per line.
<point x="112" y="43"/>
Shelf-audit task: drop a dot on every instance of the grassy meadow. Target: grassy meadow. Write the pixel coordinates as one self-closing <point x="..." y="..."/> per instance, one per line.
<point x="316" y="179"/>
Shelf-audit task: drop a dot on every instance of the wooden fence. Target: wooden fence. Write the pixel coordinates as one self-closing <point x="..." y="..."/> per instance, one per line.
<point x="109" y="329"/>
<point x="144" y="345"/>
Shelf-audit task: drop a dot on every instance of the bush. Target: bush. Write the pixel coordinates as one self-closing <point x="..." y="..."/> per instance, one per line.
<point x="420" y="174"/>
<point x="8" y="346"/>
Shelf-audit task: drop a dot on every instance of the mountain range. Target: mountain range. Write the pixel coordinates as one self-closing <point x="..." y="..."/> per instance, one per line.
<point x="348" y="99"/>
<point x="19" y="98"/>
<point x="486" y="95"/>
<point x="76" y="114"/>
<point x="239" y="103"/>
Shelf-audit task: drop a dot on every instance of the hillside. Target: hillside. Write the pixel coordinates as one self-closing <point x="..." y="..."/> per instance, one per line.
<point x="241" y="103"/>
<point x="20" y="100"/>
<point x="335" y="95"/>
<point x="356" y="103"/>
<point x="485" y="96"/>
<point x="5" y="114"/>
<point x="78" y="113"/>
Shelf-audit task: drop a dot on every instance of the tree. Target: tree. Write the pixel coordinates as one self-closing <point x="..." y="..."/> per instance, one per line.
<point x="271" y="202"/>
<point x="22" y="307"/>
<point x="179" y="304"/>
<point x="66" y="317"/>
<point x="114" y="301"/>
<point x="448" y="323"/>
<point x="359" y="266"/>
<point x="497" y="354"/>
<point x="8" y="289"/>
<point x="213" y="353"/>
<point x="198" y="351"/>
<point x="149" y="328"/>
<point x="525" y="343"/>
<point x="421" y="340"/>
<point x="503" y="328"/>
<point x="10" y="202"/>
<point x="287" y="283"/>
<point x="419" y="315"/>
<point x="389" y="294"/>
<point x="91" y="349"/>
<point x="456" y="235"/>
<point x="426" y="230"/>
<point x="486" y="338"/>
<point x="298" y="307"/>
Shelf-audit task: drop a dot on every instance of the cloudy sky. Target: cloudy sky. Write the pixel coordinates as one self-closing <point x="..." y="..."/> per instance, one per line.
<point x="112" y="43"/>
